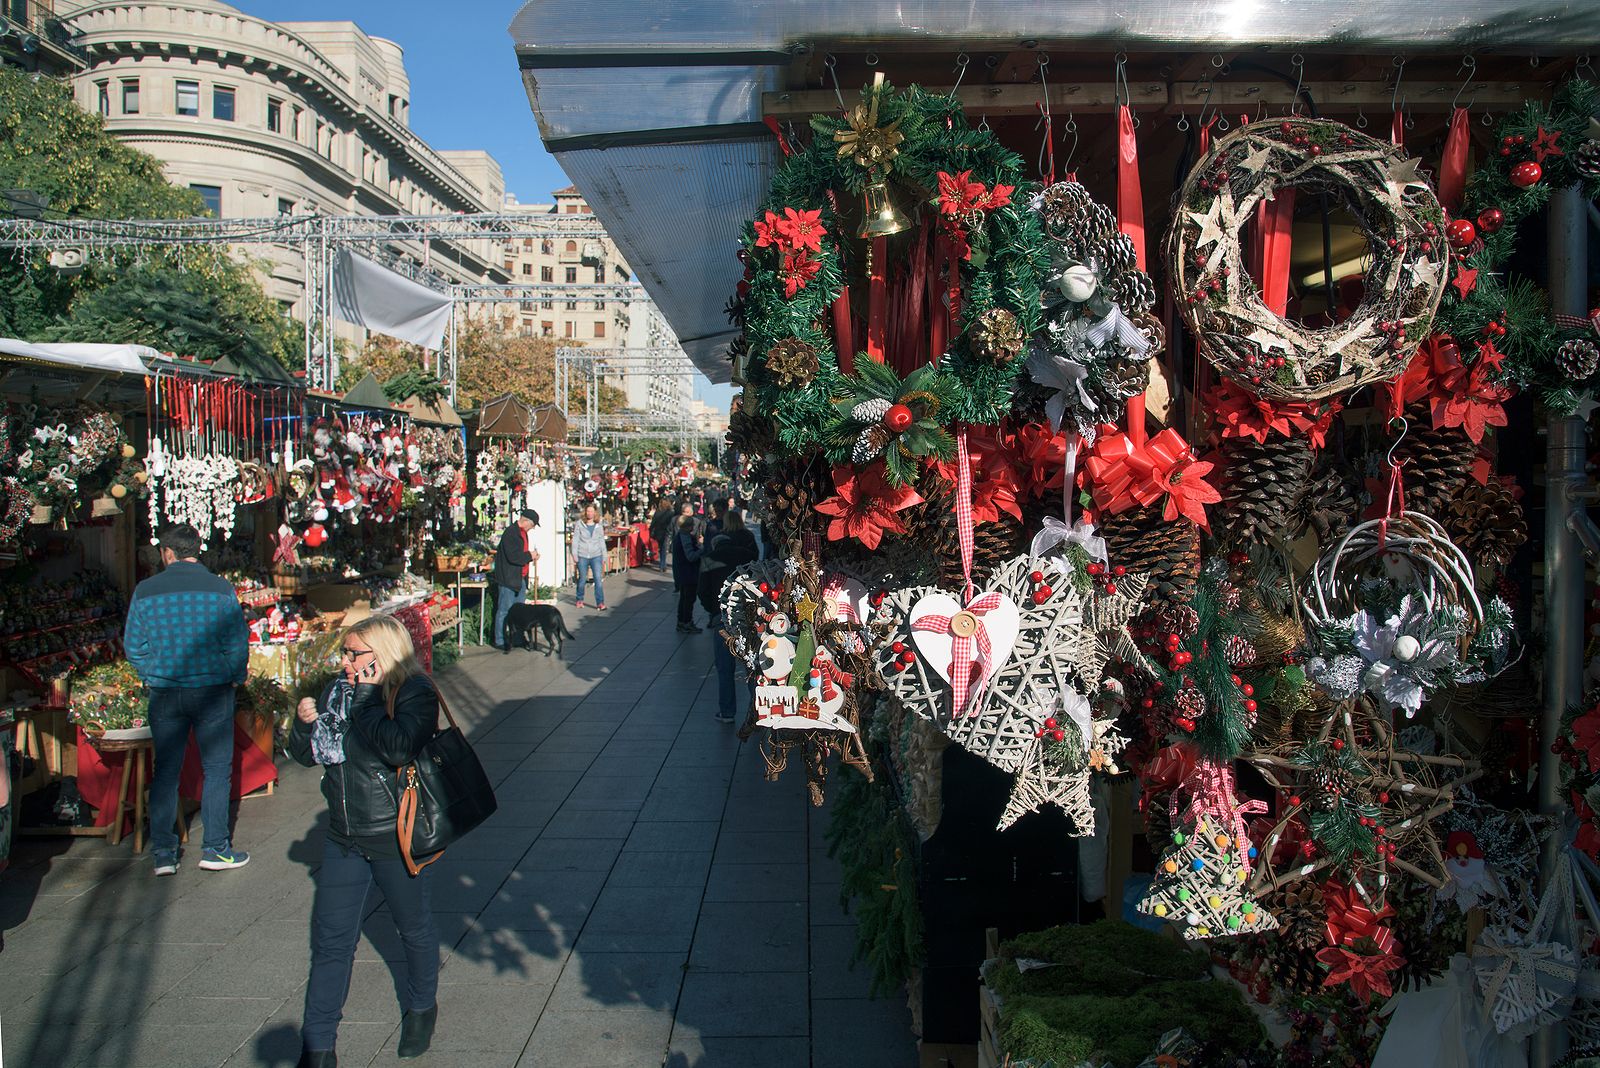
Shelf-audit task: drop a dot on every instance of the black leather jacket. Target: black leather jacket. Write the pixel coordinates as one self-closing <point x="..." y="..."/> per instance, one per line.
<point x="363" y="799"/>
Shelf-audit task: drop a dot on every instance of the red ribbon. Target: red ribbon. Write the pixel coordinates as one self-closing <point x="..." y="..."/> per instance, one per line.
<point x="1130" y="200"/>
<point x="1578" y="322"/>
<point x="1241" y="414"/>
<point x="1453" y="162"/>
<point x="877" y="298"/>
<point x="1270" y="249"/>
<point x="1212" y="794"/>
<point x="1164" y="771"/>
<point x="1397" y="130"/>
<point x="962" y="648"/>
<point x="1124" y="475"/>
<point x="1350" y="919"/>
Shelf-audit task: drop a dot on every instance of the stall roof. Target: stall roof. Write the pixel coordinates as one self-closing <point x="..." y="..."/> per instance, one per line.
<point x="549" y="423"/>
<point x="368" y="395"/>
<point x="122" y="359"/>
<point x="257" y="369"/>
<point x="654" y="108"/>
<point x="503" y="417"/>
<point x="437" y="413"/>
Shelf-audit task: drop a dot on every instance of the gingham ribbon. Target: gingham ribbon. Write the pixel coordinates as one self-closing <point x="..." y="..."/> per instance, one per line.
<point x="962" y="648"/>
<point x="964" y="510"/>
<point x="1579" y="322"/>
<point x="1211" y="793"/>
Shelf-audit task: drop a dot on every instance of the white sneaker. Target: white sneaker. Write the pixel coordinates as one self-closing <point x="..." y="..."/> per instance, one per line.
<point x="166" y="865"/>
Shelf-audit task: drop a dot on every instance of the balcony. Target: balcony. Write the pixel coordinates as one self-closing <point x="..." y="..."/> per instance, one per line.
<point x="32" y="37"/>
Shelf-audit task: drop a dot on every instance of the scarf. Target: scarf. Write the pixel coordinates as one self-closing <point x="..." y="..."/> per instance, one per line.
<point x="327" y="733"/>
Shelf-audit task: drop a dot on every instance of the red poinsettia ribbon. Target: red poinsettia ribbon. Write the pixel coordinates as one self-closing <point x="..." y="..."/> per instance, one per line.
<point x="1165" y="771"/>
<point x="1368" y="974"/>
<point x="1242" y="414"/>
<point x="1126" y="475"/>
<point x="963" y="646"/>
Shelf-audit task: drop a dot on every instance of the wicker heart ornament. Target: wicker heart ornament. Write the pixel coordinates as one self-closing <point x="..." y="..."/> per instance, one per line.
<point x="983" y="633"/>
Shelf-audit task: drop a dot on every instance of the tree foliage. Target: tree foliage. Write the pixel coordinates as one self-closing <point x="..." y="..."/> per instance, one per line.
<point x="194" y="301"/>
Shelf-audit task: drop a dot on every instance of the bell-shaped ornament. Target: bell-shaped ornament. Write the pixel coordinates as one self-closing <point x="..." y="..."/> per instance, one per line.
<point x="880" y="217"/>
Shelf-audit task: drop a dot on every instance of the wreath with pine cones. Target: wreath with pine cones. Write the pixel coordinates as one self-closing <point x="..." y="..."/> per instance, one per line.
<point x="1223" y="307"/>
<point x="955" y="187"/>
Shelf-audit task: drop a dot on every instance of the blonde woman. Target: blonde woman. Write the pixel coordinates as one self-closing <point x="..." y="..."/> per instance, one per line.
<point x="375" y="717"/>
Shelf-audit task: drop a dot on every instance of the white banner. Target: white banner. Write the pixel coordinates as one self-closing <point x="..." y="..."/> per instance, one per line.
<point x="370" y="295"/>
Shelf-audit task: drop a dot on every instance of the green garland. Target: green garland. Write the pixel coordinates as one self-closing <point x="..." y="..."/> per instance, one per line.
<point x="1531" y="339"/>
<point x="1008" y="258"/>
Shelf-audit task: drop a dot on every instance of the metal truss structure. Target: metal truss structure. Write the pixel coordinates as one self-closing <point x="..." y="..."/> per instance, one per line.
<point x="587" y="368"/>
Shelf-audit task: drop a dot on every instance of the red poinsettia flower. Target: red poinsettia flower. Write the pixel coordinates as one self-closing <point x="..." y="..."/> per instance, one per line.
<point x="1367" y="973"/>
<point x="804" y="229"/>
<point x="995" y="481"/>
<point x="864" y="504"/>
<point x="1474" y="408"/>
<point x="1242" y="414"/>
<point x="769" y="231"/>
<point x="1586" y="737"/>
<point x="1187" y="491"/>
<point x="798" y="269"/>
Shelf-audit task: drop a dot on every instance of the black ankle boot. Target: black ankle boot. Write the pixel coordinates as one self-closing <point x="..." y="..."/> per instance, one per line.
<point x="318" y="1058"/>
<point x="416" y="1032"/>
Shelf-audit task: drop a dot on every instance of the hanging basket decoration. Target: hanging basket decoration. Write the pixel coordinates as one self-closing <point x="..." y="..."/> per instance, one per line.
<point x="1249" y="342"/>
<point x="1394" y="614"/>
<point x="1048" y="629"/>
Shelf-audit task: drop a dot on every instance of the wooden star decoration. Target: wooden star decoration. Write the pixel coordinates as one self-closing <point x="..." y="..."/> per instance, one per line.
<point x="1400" y="791"/>
<point x="1425" y="273"/>
<point x="1210" y="223"/>
<point x="1402" y="173"/>
<point x="805" y="609"/>
<point x="1544" y="144"/>
<point x="1255" y="160"/>
<point x="1062" y="648"/>
<point x="1037" y="785"/>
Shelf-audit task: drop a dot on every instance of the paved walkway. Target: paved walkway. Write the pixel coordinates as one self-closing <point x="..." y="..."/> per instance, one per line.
<point x="642" y="898"/>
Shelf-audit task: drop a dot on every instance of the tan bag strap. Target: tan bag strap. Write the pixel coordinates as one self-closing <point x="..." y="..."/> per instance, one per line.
<point x="406" y="779"/>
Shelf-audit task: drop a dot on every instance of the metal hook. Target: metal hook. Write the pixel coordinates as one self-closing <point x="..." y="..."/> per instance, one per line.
<point x="1470" y="65"/>
<point x="1488" y="118"/>
<point x="1298" y="62"/>
<point x="832" y="63"/>
<point x="1217" y="61"/>
<point x="1206" y="103"/>
<point x="1071" y="127"/>
<point x="1361" y="118"/>
<point x="1046" y="145"/>
<point x="1404" y="426"/>
<point x="1261" y="110"/>
<point x="1183" y="122"/>
<point x="1399" y="65"/>
<point x="872" y="59"/>
<point x="1584" y="67"/>
<point x="962" y="59"/>
<point x="1119" y="79"/>
<point x="1222" y="122"/>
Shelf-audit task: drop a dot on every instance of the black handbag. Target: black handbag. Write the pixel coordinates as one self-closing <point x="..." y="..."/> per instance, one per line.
<point x="444" y="794"/>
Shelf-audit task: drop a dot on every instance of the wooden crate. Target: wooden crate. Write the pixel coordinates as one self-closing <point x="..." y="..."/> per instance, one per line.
<point x="989" y="1055"/>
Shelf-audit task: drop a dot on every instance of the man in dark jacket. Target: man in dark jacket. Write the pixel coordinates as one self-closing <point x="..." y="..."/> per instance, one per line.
<point x="186" y="638"/>
<point x="731" y="549"/>
<point x="687" y="544"/>
<point x="510" y="576"/>
<point x="661" y="532"/>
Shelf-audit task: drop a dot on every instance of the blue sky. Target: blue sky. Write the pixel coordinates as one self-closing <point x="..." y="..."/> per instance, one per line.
<point x="466" y="91"/>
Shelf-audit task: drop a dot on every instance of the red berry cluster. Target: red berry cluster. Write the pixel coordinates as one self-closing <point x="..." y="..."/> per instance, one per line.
<point x="1213" y="182"/>
<point x="1041" y="588"/>
<point x="1205" y="287"/>
<point x="1104" y="577"/>
<point x="903" y="656"/>
<point x="1052" y="730"/>
<point x="1300" y="140"/>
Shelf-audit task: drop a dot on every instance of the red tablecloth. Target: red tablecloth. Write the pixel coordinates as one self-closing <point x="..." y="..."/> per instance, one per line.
<point x="418" y="621"/>
<point x="100" y="776"/>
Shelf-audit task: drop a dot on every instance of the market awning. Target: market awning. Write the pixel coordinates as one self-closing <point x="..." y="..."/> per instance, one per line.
<point x="655" y="108"/>
<point x="367" y="394"/>
<point x="503" y="417"/>
<point x="78" y="356"/>
<point x="434" y="412"/>
<point x="549" y="423"/>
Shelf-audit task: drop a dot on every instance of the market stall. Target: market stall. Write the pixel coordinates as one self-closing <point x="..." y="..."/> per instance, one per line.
<point x="1149" y="440"/>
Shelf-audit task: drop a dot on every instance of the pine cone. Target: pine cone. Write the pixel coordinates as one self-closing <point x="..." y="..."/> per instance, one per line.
<point x="1169" y="553"/>
<point x="1123" y="377"/>
<point x="997" y="336"/>
<point x="792" y="363"/>
<point x="870" y="411"/>
<point x="1179" y="619"/>
<point x="870" y="443"/>
<point x="1133" y="292"/>
<point x="1578" y="358"/>
<point x="1436" y="462"/>
<point x="1262" y="482"/>
<point x="992" y="545"/>
<point x="792" y="497"/>
<point x="1486" y="523"/>
<point x="750" y="435"/>
<point x="1328" y="505"/>
<point x="1114" y="255"/>
<point x="1238" y="651"/>
<point x="1190" y="703"/>
<point x="931" y="525"/>
<point x="1586" y="159"/>
<point x="1062" y="207"/>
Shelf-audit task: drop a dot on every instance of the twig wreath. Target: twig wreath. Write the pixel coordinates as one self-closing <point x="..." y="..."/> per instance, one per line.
<point x="1223" y="307"/>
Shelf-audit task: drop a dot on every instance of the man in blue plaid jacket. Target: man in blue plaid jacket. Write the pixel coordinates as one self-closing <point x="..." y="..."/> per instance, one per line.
<point x="186" y="637"/>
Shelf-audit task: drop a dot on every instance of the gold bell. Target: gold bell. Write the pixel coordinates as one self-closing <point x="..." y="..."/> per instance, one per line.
<point x="880" y="217"/>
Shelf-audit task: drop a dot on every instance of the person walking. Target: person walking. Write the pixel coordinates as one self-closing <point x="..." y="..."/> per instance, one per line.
<point x="718" y="520"/>
<point x="589" y="550"/>
<point x="510" y="575"/>
<point x="686" y="571"/>
<point x="374" y="717"/>
<point x="186" y="637"/>
<point x="731" y="549"/>
<point x="661" y="533"/>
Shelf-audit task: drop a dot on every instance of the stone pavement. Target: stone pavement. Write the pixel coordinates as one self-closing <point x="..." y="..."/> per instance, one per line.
<point x="642" y="898"/>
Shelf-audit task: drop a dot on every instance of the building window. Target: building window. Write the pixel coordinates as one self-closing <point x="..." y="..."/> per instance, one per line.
<point x="285" y="206"/>
<point x="222" y="99"/>
<point x="527" y="269"/>
<point x="189" y="98"/>
<point x="572" y="275"/>
<point x="600" y="274"/>
<point x="212" y="195"/>
<point x="102" y="93"/>
<point x="599" y="305"/>
<point x="572" y="305"/>
<point x="527" y="243"/>
<point x="394" y="106"/>
<point x="572" y="329"/>
<point x="299" y="125"/>
<point x="572" y="246"/>
<point x="599" y="329"/>
<point x="547" y="328"/>
<point x="274" y="116"/>
<point x="547" y="246"/>
<point x="511" y="267"/>
<point x="547" y="305"/>
<point x="547" y="274"/>
<point x="130" y="96"/>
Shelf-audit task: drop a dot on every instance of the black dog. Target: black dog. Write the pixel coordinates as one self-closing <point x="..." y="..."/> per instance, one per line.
<point x="524" y="618"/>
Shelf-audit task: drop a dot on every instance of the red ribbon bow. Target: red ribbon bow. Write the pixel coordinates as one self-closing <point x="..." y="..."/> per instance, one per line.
<point x="1123" y="475"/>
<point x="1362" y="952"/>
<point x="1459" y="395"/>
<point x="962" y="647"/>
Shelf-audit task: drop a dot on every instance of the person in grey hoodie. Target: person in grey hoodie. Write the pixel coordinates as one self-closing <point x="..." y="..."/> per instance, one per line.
<point x="589" y="550"/>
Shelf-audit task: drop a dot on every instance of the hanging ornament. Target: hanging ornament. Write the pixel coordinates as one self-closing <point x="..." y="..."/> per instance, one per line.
<point x="1461" y="233"/>
<point x="1526" y="174"/>
<point x="1491" y="219"/>
<point x="998" y="336"/>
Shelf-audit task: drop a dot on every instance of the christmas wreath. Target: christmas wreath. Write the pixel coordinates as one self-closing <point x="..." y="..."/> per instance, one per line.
<point x="1508" y="319"/>
<point x="898" y="152"/>
<point x="1223" y="307"/>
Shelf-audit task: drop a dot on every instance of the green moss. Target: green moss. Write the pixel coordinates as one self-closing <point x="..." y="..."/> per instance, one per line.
<point x="1124" y="1030"/>
<point x="1108" y="958"/>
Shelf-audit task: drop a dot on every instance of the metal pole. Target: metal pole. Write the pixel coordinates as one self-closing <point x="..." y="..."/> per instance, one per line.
<point x="307" y="303"/>
<point x="454" y="358"/>
<point x="1563" y="555"/>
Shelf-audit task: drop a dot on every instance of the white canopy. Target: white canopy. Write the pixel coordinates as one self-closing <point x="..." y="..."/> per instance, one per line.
<point x="370" y="295"/>
<point x="124" y="359"/>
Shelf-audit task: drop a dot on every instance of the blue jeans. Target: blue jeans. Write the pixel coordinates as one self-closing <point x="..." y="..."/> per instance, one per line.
<point x="208" y="711"/>
<point x="504" y="598"/>
<point x="727" y="690"/>
<point x="342" y="884"/>
<point x="592" y="565"/>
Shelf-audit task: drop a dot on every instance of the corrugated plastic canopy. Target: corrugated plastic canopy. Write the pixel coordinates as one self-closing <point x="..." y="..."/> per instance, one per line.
<point x="653" y="107"/>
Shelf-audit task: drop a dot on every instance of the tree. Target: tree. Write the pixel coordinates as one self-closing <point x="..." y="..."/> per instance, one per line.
<point x="49" y="145"/>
